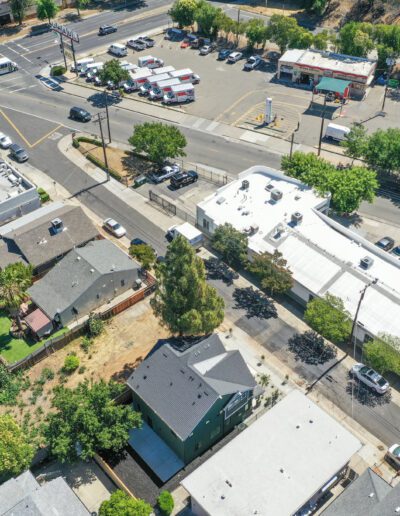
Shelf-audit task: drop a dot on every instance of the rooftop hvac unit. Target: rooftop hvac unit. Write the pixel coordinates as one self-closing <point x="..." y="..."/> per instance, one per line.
<point x="366" y="262"/>
<point x="57" y="225"/>
<point x="245" y="184"/>
<point x="276" y="195"/>
<point x="269" y="187"/>
<point x="297" y="218"/>
<point x="220" y="200"/>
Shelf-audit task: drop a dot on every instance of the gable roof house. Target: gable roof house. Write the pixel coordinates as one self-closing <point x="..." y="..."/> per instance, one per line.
<point x="43" y="237"/>
<point x="24" y="496"/>
<point x="191" y="398"/>
<point x="85" y="279"/>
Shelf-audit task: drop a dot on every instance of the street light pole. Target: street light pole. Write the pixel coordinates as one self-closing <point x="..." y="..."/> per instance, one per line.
<point x="292" y="140"/>
<point x="353" y="327"/>
<point x="103" y="143"/>
<point x="108" y="116"/>
<point x="322" y="128"/>
<point x="390" y="62"/>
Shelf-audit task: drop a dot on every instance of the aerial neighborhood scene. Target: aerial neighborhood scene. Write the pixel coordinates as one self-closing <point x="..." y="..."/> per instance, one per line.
<point x="199" y="257"/>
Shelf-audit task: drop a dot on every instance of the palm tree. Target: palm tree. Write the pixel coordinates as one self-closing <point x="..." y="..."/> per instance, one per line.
<point x="263" y="380"/>
<point x="15" y="279"/>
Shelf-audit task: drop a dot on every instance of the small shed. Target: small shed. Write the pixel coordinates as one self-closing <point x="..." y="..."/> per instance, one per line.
<point x="38" y="322"/>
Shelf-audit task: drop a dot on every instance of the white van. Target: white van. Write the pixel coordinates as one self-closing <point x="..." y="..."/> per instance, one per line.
<point x="185" y="75"/>
<point x="150" y="62"/>
<point x="81" y="63"/>
<point x="189" y="232"/>
<point x="90" y="67"/>
<point x="179" y="94"/>
<point x="152" y="81"/>
<point x="162" y="88"/>
<point x="118" y="50"/>
<point x="336" y="132"/>
<point x="137" y="79"/>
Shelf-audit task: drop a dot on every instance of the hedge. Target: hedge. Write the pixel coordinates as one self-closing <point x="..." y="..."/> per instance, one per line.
<point x="101" y="165"/>
<point x="44" y="196"/>
<point x="58" y="70"/>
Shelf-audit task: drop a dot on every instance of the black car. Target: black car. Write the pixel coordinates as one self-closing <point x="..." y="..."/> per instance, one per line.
<point x="80" y="114"/>
<point x="18" y="153"/>
<point x="385" y="243"/>
<point x="184" y="178"/>
<point x="107" y="29"/>
<point x="136" y="44"/>
<point x="138" y="241"/>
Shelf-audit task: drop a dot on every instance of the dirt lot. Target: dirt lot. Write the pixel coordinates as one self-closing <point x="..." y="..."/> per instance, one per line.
<point x="127" y="339"/>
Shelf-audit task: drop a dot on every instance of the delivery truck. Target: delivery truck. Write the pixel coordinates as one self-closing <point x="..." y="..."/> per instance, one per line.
<point x="151" y="81"/>
<point x="150" y="62"/>
<point x="180" y="94"/>
<point x="187" y="231"/>
<point x="164" y="69"/>
<point x="185" y="76"/>
<point x="137" y="79"/>
<point x="336" y="132"/>
<point x="162" y="88"/>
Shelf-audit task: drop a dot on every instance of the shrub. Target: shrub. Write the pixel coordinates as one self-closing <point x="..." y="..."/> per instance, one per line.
<point x="44" y="196"/>
<point x="81" y="370"/>
<point x="101" y="165"/>
<point x="71" y="363"/>
<point x="75" y="143"/>
<point x="165" y="502"/>
<point x="86" y="343"/>
<point x="58" y="70"/>
<point x="96" y="325"/>
<point x="47" y="374"/>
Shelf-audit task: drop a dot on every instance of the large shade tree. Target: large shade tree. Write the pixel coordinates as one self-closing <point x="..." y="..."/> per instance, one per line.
<point x="158" y="141"/>
<point x="15" y="451"/>
<point x="15" y="279"/>
<point x="231" y="244"/>
<point x="329" y="318"/>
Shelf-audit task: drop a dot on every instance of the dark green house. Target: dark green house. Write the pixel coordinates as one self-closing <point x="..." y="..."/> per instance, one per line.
<point x="192" y="398"/>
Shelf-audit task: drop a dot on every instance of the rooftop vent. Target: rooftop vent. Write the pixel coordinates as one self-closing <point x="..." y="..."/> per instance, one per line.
<point x="92" y="271"/>
<point x="276" y="195"/>
<point x="366" y="262"/>
<point x="269" y="187"/>
<point x="220" y="200"/>
<point x="57" y="225"/>
<point x="245" y="184"/>
<point x="297" y="218"/>
<point x="42" y="241"/>
<point x="78" y="258"/>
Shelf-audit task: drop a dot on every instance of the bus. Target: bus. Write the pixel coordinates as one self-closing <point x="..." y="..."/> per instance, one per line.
<point x="6" y="65"/>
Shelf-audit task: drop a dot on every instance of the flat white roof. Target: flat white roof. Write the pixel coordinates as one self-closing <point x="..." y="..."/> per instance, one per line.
<point x="323" y="255"/>
<point x="330" y="61"/>
<point x="12" y="182"/>
<point x="276" y="465"/>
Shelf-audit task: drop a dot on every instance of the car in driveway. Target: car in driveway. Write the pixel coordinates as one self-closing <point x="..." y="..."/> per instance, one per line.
<point x="106" y="29"/>
<point x="166" y="172"/>
<point x="234" y="57"/>
<point x="18" y="153"/>
<point x="370" y="378"/>
<point x="5" y="141"/>
<point x="183" y="179"/>
<point x="136" y="44"/>
<point x="393" y="456"/>
<point x="114" y="227"/>
<point x="252" y="63"/>
<point x="223" y="54"/>
<point x="80" y="114"/>
<point x="386" y="243"/>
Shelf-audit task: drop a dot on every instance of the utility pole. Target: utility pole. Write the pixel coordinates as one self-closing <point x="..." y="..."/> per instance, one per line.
<point x="322" y="128"/>
<point x="237" y="27"/>
<point x="390" y="62"/>
<point x="352" y="340"/>
<point x="103" y="143"/>
<point x="63" y="52"/>
<point x="108" y="116"/>
<point x="74" y="58"/>
<point x="292" y="140"/>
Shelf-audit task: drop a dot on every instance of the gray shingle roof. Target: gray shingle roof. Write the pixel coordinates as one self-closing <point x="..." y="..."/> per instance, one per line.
<point x="38" y="244"/>
<point x="363" y="497"/>
<point x="181" y="387"/>
<point x="23" y="496"/>
<point x="75" y="274"/>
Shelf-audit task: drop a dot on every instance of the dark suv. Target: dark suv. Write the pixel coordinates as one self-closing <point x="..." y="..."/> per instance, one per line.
<point x="18" y="153"/>
<point x="107" y="29"/>
<point x="386" y="243"/>
<point x="80" y="114"/>
<point x="184" y="178"/>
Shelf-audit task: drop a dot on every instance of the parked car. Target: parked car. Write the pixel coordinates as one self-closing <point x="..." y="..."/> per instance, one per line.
<point x="97" y="81"/>
<point x="234" y="57"/>
<point x="139" y="241"/>
<point x="107" y="29"/>
<point x="5" y="141"/>
<point x="18" y="153"/>
<point x="386" y="243"/>
<point x="252" y="63"/>
<point x="393" y="456"/>
<point x="370" y="378"/>
<point x="395" y="251"/>
<point x="148" y="41"/>
<point x="183" y="178"/>
<point x="273" y="56"/>
<point x="166" y="172"/>
<point x="175" y="34"/>
<point x="136" y="44"/>
<point x="207" y="49"/>
<point x="114" y="227"/>
<point x="223" y="54"/>
<point x="80" y="114"/>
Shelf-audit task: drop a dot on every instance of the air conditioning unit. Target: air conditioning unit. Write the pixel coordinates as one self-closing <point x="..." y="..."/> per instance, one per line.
<point x="245" y="184"/>
<point x="57" y="225"/>
<point x="276" y="195"/>
<point x="220" y="200"/>
<point x="297" y="218"/>
<point x="366" y="262"/>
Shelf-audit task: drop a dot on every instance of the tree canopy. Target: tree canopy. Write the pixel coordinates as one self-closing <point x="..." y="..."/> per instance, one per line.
<point x="15" y="279"/>
<point x="113" y="71"/>
<point x="86" y="420"/>
<point x="165" y="502"/>
<point x="256" y="32"/>
<point x="19" y="8"/>
<point x="209" y="18"/>
<point x="120" y="504"/>
<point x="383" y="150"/>
<point x="328" y="317"/>
<point x="81" y="4"/>
<point x="15" y="451"/>
<point x="355" y="141"/>
<point x="144" y="254"/>
<point x="381" y="356"/>
<point x="158" y="141"/>
<point x="46" y="9"/>
<point x="272" y="271"/>
<point x="183" y="300"/>
<point x="182" y="12"/>
<point x="286" y="33"/>
<point x="231" y="244"/>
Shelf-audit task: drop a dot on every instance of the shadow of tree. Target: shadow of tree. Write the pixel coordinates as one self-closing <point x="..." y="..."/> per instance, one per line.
<point x="126" y="371"/>
<point x="366" y="396"/>
<point x="98" y="100"/>
<point x="254" y="303"/>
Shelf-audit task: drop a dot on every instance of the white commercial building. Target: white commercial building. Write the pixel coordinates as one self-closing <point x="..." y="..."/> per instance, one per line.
<point x="280" y="465"/>
<point x="310" y="66"/>
<point x="279" y="212"/>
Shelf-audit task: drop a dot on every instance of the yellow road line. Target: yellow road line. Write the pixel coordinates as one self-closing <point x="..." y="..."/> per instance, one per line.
<point x="15" y="128"/>
<point x="46" y="136"/>
<point x="232" y="106"/>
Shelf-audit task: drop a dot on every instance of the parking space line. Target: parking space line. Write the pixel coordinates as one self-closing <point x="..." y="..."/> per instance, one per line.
<point x="46" y="136"/>
<point x="14" y="127"/>
<point x="24" y="88"/>
<point x="232" y="106"/>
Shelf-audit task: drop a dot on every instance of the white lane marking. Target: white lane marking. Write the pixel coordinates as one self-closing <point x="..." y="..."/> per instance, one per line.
<point x="10" y="79"/>
<point x="45" y="42"/>
<point x="18" y="54"/>
<point x="24" y="88"/>
<point x="20" y="46"/>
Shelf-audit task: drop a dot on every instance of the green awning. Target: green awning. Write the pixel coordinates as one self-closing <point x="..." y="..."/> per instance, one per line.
<point x="335" y="85"/>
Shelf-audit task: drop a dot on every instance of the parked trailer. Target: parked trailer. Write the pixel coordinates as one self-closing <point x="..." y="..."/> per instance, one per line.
<point x="137" y="79"/>
<point x="180" y="94"/>
<point x="162" y="88"/>
<point x="151" y="81"/>
<point x="185" y="76"/>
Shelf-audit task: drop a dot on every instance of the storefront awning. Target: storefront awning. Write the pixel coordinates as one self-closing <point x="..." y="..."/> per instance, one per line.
<point x="335" y="85"/>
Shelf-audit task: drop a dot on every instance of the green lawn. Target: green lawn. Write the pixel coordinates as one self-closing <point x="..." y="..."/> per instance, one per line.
<point x="14" y="349"/>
